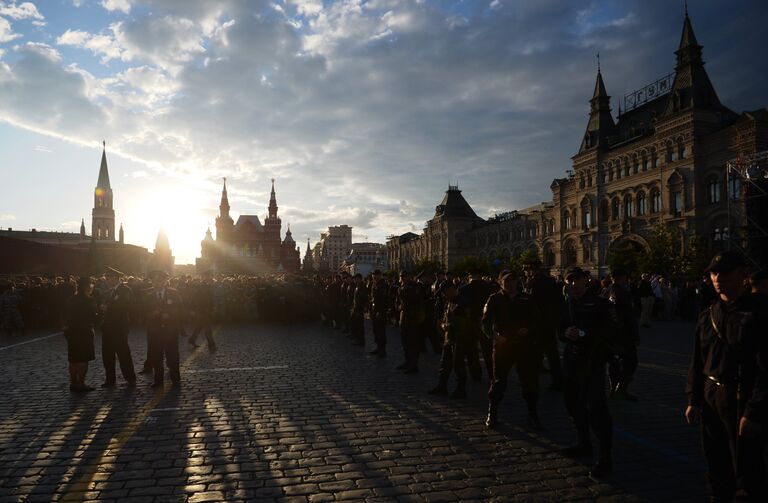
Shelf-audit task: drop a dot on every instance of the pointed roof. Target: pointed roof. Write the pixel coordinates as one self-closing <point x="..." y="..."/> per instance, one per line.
<point x="688" y="37"/>
<point x="599" y="91"/>
<point x="454" y="205"/>
<point x="162" y="241"/>
<point x="308" y="249"/>
<point x="103" y="182"/>
<point x="208" y="235"/>
<point x="288" y="236"/>
<point x="273" y="201"/>
<point x="600" y="124"/>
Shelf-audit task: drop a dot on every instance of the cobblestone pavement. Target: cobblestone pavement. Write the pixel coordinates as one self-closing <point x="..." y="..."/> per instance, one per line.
<point x="295" y="413"/>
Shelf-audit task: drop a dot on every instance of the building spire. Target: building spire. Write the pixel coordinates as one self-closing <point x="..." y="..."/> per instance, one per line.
<point x="103" y="182"/>
<point x="273" y="202"/>
<point x="600" y="123"/>
<point x="121" y="234"/>
<point x="224" y="205"/>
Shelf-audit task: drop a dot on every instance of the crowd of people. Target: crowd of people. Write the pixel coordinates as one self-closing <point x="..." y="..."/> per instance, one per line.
<point x="519" y="320"/>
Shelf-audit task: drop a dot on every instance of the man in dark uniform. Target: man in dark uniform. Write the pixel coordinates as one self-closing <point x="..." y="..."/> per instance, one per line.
<point x="116" y="323"/>
<point x="512" y="322"/>
<point x="585" y="327"/>
<point x="411" y="303"/>
<point x="471" y="300"/>
<point x="379" y="310"/>
<point x="728" y="382"/>
<point x="623" y="359"/>
<point x="357" y="311"/>
<point x="548" y="297"/>
<point x="450" y="325"/>
<point x="164" y="319"/>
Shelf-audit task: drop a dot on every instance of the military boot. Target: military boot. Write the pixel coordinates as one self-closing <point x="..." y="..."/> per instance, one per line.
<point x="492" y="420"/>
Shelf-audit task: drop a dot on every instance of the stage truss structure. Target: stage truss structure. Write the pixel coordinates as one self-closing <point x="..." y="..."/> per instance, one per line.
<point x="747" y="198"/>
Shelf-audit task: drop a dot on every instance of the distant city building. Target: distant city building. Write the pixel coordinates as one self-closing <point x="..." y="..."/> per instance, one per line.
<point x="663" y="161"/>
<point x="248" y="246"/>
<point x="334" y="246"/>
<point x="162" y="258"/>
<point x="49" y="253"/>
<point x="365" y="258"/>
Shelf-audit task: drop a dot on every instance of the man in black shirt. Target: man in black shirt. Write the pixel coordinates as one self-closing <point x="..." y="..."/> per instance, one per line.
<point x="728" y="382"/>
<point x="116" y="323"/>
<point x="623" y="361"/>
<point x="585" y="327"/>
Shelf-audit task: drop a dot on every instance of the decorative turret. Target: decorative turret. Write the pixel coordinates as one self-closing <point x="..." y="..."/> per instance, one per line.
<point x="224" y="222"/>
<point x="82" y="228"/>
<point x="122" y="234"/>
<point x="289" y="237"/>
<point x="162" y="258"/>
<point x="272" y="223"/>
<point x="692" y="87"/>
<point x="103" y="214"/>
<point x="600" y="123"/>
<point x="272" y="202"/>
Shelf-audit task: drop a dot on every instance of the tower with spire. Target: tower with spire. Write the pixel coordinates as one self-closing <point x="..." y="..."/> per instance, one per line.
<point x="272" y="224"/>
<point x="162" y="257"/>
<point x="309" y="265"/>
<point x="224" y="222"/>
<point x="103" y="214"/>
<point x="600" y="125"/>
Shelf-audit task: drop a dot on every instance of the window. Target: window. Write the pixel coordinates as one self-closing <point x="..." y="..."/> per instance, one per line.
<point x="552" y="226"/>
<point x="641" y="204"/>
<point x="635" y="166"/>
<point x="567" y="220"/>
<point x="677" y="201"/>
<point x="681" y="149"/>
<point x="587" y="212"/>
<point x="602" y="176"/>
<point x="587" y="251"/>
<point x="655" y="201"/>
<point x="628" y="206"/>
<point x="734" y="188"/>
<point x="589" y="180"/>
<point x="714" y="189"/>
<point x="672" y="154"/>
<point x="106" y="232"/>
<point x="654" y="160"/>
<point x="644" y="163"/>
<point x="615" y="209"/>
<point x="581" y="182"/>
<point x="610" y="174"/>
<point x="626" y="167"/>
<point x="720" y="234"/>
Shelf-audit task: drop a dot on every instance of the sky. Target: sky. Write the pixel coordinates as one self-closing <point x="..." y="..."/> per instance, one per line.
<point x="362" y="111"/>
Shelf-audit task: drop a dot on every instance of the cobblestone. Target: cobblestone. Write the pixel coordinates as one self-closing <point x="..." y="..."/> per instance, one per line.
<point x="294" y="413"/>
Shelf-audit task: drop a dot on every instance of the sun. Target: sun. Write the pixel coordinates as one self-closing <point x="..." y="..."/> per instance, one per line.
<point x="178" y="211"/>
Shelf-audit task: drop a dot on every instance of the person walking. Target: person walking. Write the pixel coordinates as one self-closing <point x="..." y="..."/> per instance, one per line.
<point x="163" y="328"/>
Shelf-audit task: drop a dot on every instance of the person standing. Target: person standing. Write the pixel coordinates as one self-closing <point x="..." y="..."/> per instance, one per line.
<point x="115" y="325"/>
<point x="623" y="360"/>
<point x="585" y="327"/>
<point x="471" y="300"/>
<point x="647" y="300"/>
<point x="357" y="313"/>
<point x="512" y="322"/>
<point x="379" y="310"/>
<point x="548" y="297"/>
<point x="728" y="382"/>
<point x="202" y="303"/>
<point x="163" y="328"/>
<point x="412" y="304"/>
<point x="80" y="329"/>
<point x="450" y="325"/>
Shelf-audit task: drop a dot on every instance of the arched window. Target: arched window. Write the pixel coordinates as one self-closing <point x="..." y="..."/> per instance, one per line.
<point x="552" y="226"/>
<point x="549" y="255"/>
<point x="635" y="165"/>
<point x="714" y="189"/>
<point x="655" y="201"/>
<point x="615" y="209"/>
<point x="680" y="149"/>
<point x="566" y="220"/>
<point x="654" y="159"/>
<point x="603" y="211"/>
<point x="644" y="162"/>
<point x="106" y="233"/>
<point x="628" y="207"/>
<point x="586" y="214"/>
<point x="641" y="203"/>
<point x="581" y="182"/>
<point x="569" y="253"/>
<point x="586" y="250"/>
<point x="671" y="153"/>
<point x="610" y="173"/>
<point x="626" y="166"/>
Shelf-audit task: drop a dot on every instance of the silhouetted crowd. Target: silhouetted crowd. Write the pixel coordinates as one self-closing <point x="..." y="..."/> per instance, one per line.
<point x="579" y="329"/>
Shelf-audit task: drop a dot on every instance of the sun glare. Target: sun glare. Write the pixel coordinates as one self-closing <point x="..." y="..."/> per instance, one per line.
<point x="176" y="210"/>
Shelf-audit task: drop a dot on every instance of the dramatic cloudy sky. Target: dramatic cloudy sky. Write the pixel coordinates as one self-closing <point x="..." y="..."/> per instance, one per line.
<point x="364" y="111"/>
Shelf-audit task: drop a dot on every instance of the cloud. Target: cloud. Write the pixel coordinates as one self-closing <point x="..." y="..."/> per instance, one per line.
<point x="41" y="148"/>
<point x="6" y="32"/>
<point x="24" y="10"/>
<point x="363" y="111"/>
<point x="123" y="6"/>
<point x="7" y="217"/>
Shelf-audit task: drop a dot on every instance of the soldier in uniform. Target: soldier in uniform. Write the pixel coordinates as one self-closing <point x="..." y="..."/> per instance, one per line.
<point x="115" y="307"/>
<point x="379" y="310"/>
<point x="548" y="297"/>
<point x="450" y="325"/>
<point x="512" y="322"/>
<point x="164" y="319"/>
<point x="728" y="382"/>
<point x="471" y="300"/>
<point x="623" y="361"/>
<point x="82" y="316"/>
<point x="411" y="303"/>
<point x="357" y="312"/>
<point x="585" y="327"/>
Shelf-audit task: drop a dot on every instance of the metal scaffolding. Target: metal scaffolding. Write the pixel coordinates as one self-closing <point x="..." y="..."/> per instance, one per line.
<point x="747" y="199"/>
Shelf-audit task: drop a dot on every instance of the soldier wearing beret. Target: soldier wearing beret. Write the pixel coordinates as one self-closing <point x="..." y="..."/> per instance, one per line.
<point x="115" y="314"/>
<point x="164" y="321"/>
<point x="728" y="382"/>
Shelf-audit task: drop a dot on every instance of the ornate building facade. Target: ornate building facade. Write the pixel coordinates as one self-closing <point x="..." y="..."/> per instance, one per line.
<point x="662" y="161"/>
<point x="248" y="246"/>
